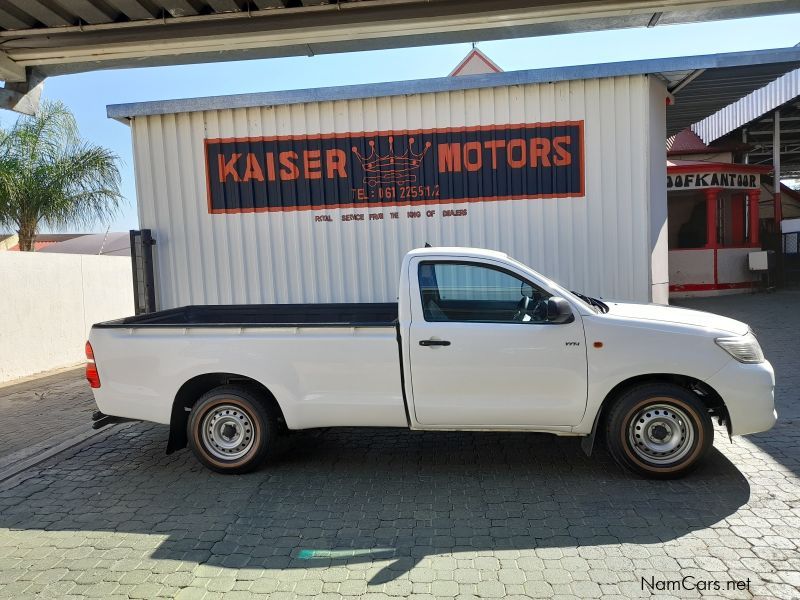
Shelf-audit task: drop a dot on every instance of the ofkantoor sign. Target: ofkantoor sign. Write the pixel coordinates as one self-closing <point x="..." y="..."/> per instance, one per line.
<point x="700" y="180"/>
<point x="395" y="168"/>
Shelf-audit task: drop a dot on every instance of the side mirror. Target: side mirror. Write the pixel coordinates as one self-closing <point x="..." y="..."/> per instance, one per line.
<point x="558" y="310"/>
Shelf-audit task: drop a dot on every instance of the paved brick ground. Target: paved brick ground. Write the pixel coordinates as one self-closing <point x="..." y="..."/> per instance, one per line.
<point x="38" y="409"/>
<point x="376" y="514"/>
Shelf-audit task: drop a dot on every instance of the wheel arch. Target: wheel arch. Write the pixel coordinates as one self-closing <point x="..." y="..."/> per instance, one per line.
<point x="707" y="395"/>
<point x="195" y="387"/>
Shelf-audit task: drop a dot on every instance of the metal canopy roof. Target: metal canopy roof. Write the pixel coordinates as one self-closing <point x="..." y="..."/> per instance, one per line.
<point x="750" y="108"/>
<point x="760" y="131"/>
<point x="700" y="85"/>
<point x="64" y="36"/>
<point x="751" y="121"/>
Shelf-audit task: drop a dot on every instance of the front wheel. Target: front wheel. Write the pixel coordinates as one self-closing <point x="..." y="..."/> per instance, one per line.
<point x="659" y="430"/>
<point x="230" y="429"/>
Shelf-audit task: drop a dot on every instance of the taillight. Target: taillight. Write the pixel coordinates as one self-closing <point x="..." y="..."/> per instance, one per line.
<point x="92" y="376"/>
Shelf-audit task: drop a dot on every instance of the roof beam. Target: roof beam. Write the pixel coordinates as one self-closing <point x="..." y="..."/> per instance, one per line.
<point x="11" y="71"/>
<point x="134" y="10"/>
<point x="770" y="132"/>
<point x="88" y="11"/>
<point x="267" y="4"/>
<point x="13" y="21"/>
<point x="153" y="38"/>
<point x="686" y="81"/>
<point x="178" y="8"/>
<point x="23" y="97"/>
<point x="45" y="14"/>
<point x="227" y="5"/>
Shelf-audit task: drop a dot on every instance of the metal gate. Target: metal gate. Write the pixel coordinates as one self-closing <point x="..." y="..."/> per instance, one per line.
<point x="790" y="245"/>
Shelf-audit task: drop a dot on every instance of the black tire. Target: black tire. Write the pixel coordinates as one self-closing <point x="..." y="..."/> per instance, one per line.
<point x="240" y="429"/>
<point x="640" y="417"/>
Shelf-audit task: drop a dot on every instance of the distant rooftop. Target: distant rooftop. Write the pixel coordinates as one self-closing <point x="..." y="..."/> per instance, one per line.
<point x="104" y="244"/>
<point x="42" y="240"/>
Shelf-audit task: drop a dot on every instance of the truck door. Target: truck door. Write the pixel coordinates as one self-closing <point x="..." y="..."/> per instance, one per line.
<point x="483" y="353"/>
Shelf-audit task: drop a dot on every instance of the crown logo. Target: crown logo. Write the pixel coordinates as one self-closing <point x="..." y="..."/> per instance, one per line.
<point x="391" y="168"/>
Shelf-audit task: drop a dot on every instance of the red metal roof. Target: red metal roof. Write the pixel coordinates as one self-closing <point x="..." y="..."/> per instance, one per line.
<point x="47" y="239"/>
<point x="36" y="246"/>
<point x="475" y="55"/>
<point x="686" y="142"/>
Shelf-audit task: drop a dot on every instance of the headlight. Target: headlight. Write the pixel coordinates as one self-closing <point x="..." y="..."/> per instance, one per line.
<point x="744" y="348"/>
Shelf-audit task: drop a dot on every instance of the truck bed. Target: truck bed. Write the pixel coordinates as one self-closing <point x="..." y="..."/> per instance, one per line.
<point x="265" y="315"/>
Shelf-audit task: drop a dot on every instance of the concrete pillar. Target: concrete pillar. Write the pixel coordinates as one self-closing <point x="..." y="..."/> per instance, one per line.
<point x="753" y="196"/>
<point x="712" y="194"/>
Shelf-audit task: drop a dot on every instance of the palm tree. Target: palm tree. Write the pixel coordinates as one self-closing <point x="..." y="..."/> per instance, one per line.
<point x="50" y="176"/>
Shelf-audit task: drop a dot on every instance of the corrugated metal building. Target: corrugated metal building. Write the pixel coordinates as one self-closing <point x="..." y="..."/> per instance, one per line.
<point x="590" y="211"/>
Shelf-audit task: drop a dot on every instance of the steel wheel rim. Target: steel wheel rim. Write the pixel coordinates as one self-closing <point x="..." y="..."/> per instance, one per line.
<point x="227" y="432"/>
<point x="661" y="433"/>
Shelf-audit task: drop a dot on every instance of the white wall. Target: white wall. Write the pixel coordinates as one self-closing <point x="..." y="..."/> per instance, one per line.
<point x="691" y="266"/>
<point x="48" y="303"/>
<point x="611" y="242"/>
<point x="732" y="265"/>
<point x="657" y="194"/>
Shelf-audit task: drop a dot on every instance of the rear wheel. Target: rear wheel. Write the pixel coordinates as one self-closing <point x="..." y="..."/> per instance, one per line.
<point x="231" y="429"/>
<point x="659" y="430"/>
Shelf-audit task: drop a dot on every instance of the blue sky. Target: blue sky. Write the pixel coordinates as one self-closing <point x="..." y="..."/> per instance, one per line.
<point x="88" y="94"/>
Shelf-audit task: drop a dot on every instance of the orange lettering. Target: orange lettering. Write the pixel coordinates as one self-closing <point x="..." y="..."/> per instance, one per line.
<point x="312" y="164"/>
<point x="516" y="162"/>
<point x="449" y="158"/>
<point x="228" y="168"/>
<point x="270" y="162"/>
<point x="493" y="145"/>
<point x="336" y="160"/>
<point x="289" y="169"/>
<point x="253" y="169"/>
<point x="475" y="148"/>
<point x="540" y="148"/>
<point x="563" y="156"/>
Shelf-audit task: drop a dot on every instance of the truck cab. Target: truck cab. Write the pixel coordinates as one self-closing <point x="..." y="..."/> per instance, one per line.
<point x="490" y="344"/>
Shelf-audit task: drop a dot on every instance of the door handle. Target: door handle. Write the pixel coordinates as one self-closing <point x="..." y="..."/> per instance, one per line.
<point x="434" y="343"/>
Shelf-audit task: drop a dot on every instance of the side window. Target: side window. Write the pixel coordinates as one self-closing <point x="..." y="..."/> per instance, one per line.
<point x="452" y="291"/>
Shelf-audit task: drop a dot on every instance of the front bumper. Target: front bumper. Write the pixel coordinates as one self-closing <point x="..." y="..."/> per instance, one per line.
<point x="749" y="394"/>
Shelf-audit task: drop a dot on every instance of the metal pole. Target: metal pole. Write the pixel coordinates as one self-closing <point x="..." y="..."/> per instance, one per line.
<point x="744" y="141"/>
<point x="776" y="163"/>
<point x="147" y="266"/>
<point x="135" y="258"/>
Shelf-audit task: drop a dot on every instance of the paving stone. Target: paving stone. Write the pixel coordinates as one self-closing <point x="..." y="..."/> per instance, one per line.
<point x="538" y="589"/>
<point x="444" y="588"/>
<point x="190" y="593"/>
<point x="408" y="514"/>
<point x="145" y="590"/>
<point x="221" y="583"/>
<point x="490" y="589"/>
<point x="26" y="406"/>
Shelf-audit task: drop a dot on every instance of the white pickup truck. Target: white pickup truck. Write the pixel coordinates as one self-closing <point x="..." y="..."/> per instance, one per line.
<point x="477" y="341"/>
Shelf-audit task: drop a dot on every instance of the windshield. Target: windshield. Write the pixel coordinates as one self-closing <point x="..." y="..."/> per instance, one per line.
<point x="592" y="304"/>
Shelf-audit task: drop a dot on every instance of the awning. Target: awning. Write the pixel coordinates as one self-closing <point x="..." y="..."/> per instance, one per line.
<point x="66" y="36"/>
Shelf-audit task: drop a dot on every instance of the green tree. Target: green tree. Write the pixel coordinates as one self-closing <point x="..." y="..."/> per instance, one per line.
<point x="50" y="176"/>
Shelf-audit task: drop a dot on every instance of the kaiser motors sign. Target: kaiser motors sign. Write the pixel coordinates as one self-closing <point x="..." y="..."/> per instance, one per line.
<point x="394" y="168"/>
